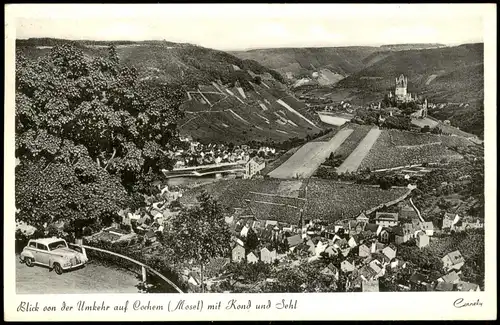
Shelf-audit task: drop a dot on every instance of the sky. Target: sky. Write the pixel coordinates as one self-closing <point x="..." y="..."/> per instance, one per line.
<point x="248" y="26"/>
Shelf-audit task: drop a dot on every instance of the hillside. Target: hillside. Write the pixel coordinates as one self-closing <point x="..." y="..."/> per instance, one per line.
<point x="445" y="74"/>
<point x="226" y="98"/>
<point x="414" y="46"/>
<point x="323" y="65"/>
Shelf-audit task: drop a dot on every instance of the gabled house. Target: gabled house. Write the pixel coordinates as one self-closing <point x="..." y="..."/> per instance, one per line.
<point x="331" y="270"/>
<point x="377" y="267"/>
<point x="367" y="273"/>
<point x="238" y="251"/>
<point x="444" y="286"/>
<point x="386" y="235"/>
<point x="364" y="250"/>
<point x="331" y="251"/>
<point x="252" y="258"/>
<point x="376" y="247"/>
<point x="194" y="279"/>
<point x="311" y="248"/>
<point x="362" y="218"/>
<point x="390" y="252"/>
<point x="386" y="219"/>
<point x="320" y="247"/>
<point x="449" y="221"/>
<point x="422" y="239"/>
<point x="267" y="256"/>
<point x="453" y="261"/>
<point x="403" y="234"/>
<point x="347" y="266"/>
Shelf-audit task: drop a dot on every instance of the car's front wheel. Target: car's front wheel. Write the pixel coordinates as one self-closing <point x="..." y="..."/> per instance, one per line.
<point x="58" y="268"/>
<point x="29" y="261"/>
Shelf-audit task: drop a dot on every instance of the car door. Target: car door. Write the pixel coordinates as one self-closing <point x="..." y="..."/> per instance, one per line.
<point x="42" y="255"/>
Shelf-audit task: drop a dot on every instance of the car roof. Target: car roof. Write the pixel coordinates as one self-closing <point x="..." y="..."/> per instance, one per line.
<point x="46" y="241"/>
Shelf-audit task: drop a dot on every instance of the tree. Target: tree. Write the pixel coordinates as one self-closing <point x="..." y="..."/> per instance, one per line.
<point x="87" y="119"/>
<point x="252" y="241"/>
<point x="199" y="233"/>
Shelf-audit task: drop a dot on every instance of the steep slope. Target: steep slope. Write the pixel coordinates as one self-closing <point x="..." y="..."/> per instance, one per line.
<point x="326" y="65"/>
<point x="227" y="99"/>
<point x="448" y="74"/>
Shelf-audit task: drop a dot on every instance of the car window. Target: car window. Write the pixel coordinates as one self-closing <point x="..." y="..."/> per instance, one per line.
<point x="32" y="244"/>
<point x="57" y="244"/>
<point x="41" y="247"/>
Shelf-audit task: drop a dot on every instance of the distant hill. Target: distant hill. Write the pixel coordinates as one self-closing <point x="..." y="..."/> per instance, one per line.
<point x="316" y="65"/>
<point x="414" y="46"/>
<point x="227" y="98"/>
<point x="452" y="75"/>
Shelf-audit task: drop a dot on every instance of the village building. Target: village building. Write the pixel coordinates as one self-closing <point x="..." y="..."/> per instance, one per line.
<point x="467" y="286"/>
<point x="364" y="250"/>
<point x="254" y="166"/>
<point x="386" y="235"/>
<point x="293" y="241"/>
<point x="238" y="251"/>
<point x="428" y="228"/>
<point x="362" y="218"/>
<point x="449" y="220"/>
<point x="453" y="261"/>
<point x="422" y="239"/>
<point x="385" y="219"/>
<point x="267" y="256"/>
<point x="331" y="270"/>
<point x="347" y="266"/>
<point x="390" y="252"/>
<point x="451" y="277"/>
<point x="252" y="258"/>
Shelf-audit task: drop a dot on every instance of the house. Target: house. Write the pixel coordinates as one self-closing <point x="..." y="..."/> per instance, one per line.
<point x="244" y="231"/>
<point x="150" y="235"/>
<point x="267" y="256"/>
<point x="428" y="227"/>
<point x="422" y="239"/>
<point x="451" y="277"/>
<point x="386" y="219"/>
<point x="449" y="220"/>
<point x="254" y="166"/>
<point x="362" y="218"/>
<point x="340" y="243"/>
<point x="252" y="258"/>
<point x="293" y="241"/>
<point x="416" y="224"/>
<point x="347" y="266"/>
<point x="403" y="234"/>
<point x="377" y="267"/>
<point x="367" y="273"/>
<point x="453" y="261"/>
<point x="370" y="286"/>
<point x="386" y="235"/>
<point x="390" y="252"/>
<point x="331" y="270"/>
<point x="311" y="248"/>
<point x="238" y="252"/>
<point x="320" y="247"/>
<point x="466" y="286"/>
<point x="354" y="241"/>
<point x="407" y="212"/>
<point x="364" y="251"/>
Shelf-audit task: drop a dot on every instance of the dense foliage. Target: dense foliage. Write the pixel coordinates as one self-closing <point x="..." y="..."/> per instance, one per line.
<point x="88" y="134"/>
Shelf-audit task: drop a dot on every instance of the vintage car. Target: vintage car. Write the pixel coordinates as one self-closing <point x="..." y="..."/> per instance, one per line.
<point x="54" y="253"/>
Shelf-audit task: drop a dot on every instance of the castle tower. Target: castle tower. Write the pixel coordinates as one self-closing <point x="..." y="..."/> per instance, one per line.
<point x="401" y="87"/>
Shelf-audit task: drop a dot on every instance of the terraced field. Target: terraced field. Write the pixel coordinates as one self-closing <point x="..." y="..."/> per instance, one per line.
<point x="353" y="161"/>
<point x="360" y="131"/>
<point x="309" y="157"/>
<point x="278" y="199"/>
<point x="394" y="149"/>
<point x="330" y="201"/>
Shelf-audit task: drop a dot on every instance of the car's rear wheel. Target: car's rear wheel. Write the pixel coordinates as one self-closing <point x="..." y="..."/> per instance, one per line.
<point x="58" y="268"/>
<point x="29" y="261"/>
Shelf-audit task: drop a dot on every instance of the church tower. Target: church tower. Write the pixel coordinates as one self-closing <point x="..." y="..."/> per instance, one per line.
<point x="401" y="87"/>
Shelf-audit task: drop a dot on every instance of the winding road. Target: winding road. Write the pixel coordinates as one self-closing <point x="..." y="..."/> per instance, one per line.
<point x="94" y="277"/>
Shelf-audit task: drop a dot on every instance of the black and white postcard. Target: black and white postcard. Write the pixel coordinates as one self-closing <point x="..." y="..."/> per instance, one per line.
<point x="250" y="162"/>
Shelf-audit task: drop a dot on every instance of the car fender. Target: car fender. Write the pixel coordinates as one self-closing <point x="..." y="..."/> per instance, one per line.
<point x="25" y="254"/>
<point x="55" y="259"/>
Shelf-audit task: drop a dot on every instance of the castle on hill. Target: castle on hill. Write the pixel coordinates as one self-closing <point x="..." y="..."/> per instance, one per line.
<point x="401" y="95"/>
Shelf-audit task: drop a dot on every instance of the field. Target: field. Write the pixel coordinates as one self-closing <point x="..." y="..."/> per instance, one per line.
<point x="307" y="159"/>
<point x="360" y="131"/>
<point x="330" y="201"/>
<point x="386" y="154"/>
<point x="279" y="199"/>
<point x="354" y="160"/>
